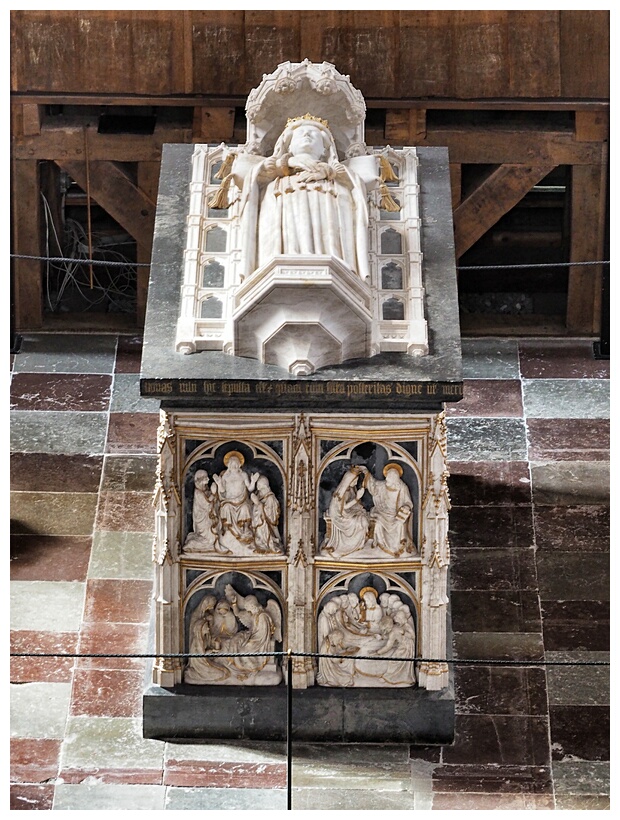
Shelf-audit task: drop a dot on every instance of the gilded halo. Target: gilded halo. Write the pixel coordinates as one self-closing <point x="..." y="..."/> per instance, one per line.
<point x="232" y="453"/>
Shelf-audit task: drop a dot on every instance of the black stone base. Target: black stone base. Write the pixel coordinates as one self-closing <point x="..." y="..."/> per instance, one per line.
<point x="319" y="714"/>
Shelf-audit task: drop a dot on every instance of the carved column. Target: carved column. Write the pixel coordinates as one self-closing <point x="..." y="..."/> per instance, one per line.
<point x="435" y="561"/>
<point x="167" y="503"/>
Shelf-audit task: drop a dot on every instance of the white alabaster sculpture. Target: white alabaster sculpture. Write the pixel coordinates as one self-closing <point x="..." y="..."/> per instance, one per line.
<point x="384" y="530"/>
<point x="369" y="625"/>
<point x="305" y="201"/>
<point x="320" y="600"/>
<point x="303" y="245"/>
<point x="239" y="625"/>
<point x="237" y="514"/>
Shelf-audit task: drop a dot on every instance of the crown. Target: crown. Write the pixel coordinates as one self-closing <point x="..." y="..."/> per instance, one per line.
<point x="308" y="117"/>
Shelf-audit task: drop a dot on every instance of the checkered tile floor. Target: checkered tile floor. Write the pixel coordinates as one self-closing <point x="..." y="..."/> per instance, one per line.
<point x="529" y="457"/>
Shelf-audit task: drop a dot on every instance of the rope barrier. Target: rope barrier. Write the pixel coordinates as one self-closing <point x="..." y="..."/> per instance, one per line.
<point x="460" y="267"/>
<point x="293" y="654"/>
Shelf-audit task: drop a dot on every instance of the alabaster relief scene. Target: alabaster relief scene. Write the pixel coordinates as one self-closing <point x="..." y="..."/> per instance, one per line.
<point x="364" y="626"/>
<point x="237" y="613"/>
<point x="368" y="504"/>
<point x="231" y="505"/>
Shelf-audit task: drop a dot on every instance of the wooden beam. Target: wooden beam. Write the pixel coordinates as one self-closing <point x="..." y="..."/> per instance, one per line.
<point x="112" y="189"/>
<point x="489" y="146"/>
<point x="499" y="192"/>
<point x="31" y="121"/>
<point x="591" y="126"/>
<point x="213" y="124"/>
<point x="588" y="198"/>
<point x="67" y="144"/>
<point x="405" y="126"/>
<point x="27" y="234"/>
<point x="455" y="184"/>
<point x="466" y="145"/>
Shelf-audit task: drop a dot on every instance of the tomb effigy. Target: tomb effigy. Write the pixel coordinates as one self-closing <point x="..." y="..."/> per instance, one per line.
<point x="302" y="337"/>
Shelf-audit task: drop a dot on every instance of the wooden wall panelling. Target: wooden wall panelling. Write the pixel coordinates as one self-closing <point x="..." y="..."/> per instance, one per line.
<point x="31" y="119"/>
<point x="425" y="46"/>
<point x="218" y="47"/>
<point x="533" y="40"/>
<point x="362" y="44"/>
<point x="584" y="53"/>
<point x="527" y="146"/>
<point x="405" y="126"/>
<point x="27" y="240"/>
<point x="480" y="53"/>
<point x="499" y="192"/>
<point x="588" y="202"/>
<point x="271" y="38"/>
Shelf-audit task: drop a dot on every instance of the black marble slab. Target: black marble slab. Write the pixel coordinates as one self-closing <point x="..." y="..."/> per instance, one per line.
<point x="387" y="382"/>
<point x="407" y="715"/>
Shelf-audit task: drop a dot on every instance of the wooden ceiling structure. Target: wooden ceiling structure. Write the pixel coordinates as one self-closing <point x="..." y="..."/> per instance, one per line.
<point x="513" y="93"/>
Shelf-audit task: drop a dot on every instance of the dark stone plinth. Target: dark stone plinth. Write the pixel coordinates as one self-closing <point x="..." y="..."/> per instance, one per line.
<point x="388" y="382"/>
<point x="319" y="714"/>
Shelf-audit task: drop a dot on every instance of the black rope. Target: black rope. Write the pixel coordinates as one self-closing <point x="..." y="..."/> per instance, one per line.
<point x="533" y="265"/>
<point x="460" y="267"/>
<point x="292" y="654"/>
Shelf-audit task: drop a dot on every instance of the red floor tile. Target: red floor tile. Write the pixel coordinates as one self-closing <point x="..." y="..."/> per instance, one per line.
<point x="561" y="359"/>
<point x="36" y="798"/>
<point x="132" y="433"/>
<point x="51" y="670"/>
<point x="118" y="601"/>
<point x="225" y="775"/>
<point x="107" y="693"/>
<point x="146" y="777"/>
<point x="568" y="439"/>
<point x="489" y="397"/>
<point x="128" y="354"/>
<point x="118" y="639"/>
<point x="34" y="760"/>
<point x="49" y="557"/>
<point x="489" y="483"/>
<point x="60" y="391"/>
<point x="125" y="512"/>
<point x="50" y="471"/>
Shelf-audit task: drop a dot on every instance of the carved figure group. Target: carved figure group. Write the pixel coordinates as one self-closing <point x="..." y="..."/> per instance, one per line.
<point x="235" y="514"/>
<point x="236" y="624"/>
<point x="370" y="625"/>
<point x="302" y="200"/>
<point x="386" y="528"/>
